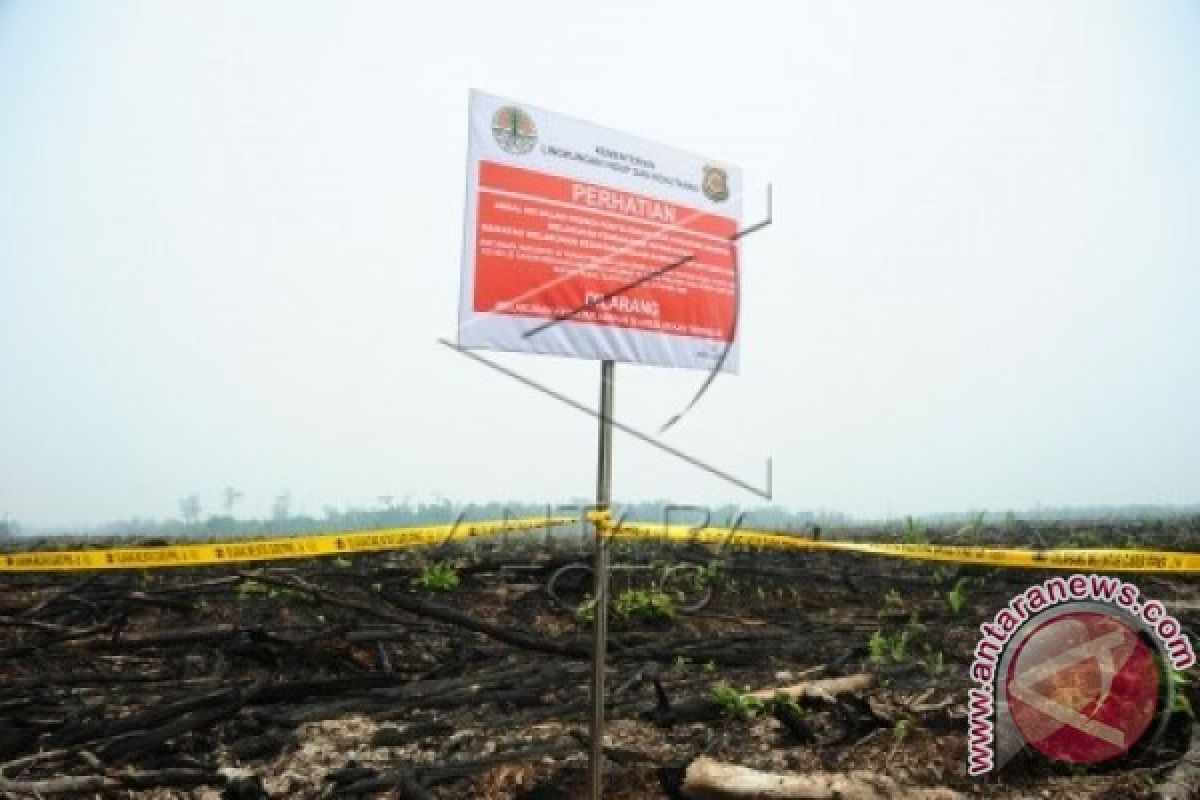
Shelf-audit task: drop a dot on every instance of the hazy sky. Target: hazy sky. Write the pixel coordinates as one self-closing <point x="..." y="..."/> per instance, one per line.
<point x="230" y="237"/>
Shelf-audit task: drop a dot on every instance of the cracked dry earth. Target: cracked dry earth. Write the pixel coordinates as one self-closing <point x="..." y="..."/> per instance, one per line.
<point x="341" y="679"/>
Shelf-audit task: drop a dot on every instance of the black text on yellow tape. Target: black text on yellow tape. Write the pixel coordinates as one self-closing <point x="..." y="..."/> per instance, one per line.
<point x="250" y="550"/>
<point x="1091" y="560"/>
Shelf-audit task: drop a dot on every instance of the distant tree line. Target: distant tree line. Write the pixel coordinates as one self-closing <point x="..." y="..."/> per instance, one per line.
<point x="193" y="522"/>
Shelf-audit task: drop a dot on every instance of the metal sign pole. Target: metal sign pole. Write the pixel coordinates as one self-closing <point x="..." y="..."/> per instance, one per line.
<point x="600" y="567"/>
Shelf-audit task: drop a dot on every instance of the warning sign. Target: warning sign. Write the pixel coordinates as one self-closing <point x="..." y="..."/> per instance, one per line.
<point x="587" y="242"/>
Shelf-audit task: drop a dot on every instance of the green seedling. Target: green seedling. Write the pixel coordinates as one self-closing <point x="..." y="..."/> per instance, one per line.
<point x="956" y="598"/>
<point x="440" y="576"/>
<point x="934" y="661"/>
<point x="735" y="704"/>
<point x="884" y="648"/>
<point x="644" y="603"/>
<point x="1181" y="704"/>
<point x="586" y="613"/>
<point x="706" y="575"/>
<point x="877" y="647"/>
<point x="782" y="700"/>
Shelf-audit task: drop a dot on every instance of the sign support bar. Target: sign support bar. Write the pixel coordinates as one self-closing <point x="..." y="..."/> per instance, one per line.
<point x="603" y="522"/>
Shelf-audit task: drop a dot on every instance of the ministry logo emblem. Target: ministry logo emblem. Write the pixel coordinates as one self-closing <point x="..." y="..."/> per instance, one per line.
<point x="514" y="130"/>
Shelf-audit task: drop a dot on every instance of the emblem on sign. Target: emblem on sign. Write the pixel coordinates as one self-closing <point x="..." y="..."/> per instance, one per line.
<point x="716" y="184"/>
<point x="514" y="130"/>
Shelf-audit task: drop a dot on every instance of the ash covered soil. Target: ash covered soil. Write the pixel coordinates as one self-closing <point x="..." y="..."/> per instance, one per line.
<point x="359" y="678"/>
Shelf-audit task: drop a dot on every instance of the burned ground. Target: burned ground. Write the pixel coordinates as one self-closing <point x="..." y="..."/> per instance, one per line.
<point x="376" y="677"/>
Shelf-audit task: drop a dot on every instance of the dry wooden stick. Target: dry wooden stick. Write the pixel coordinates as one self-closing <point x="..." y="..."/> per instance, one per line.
<point x="824" y="689"/>
<point x="707" y="779"/>
<point x="87" y="784"/>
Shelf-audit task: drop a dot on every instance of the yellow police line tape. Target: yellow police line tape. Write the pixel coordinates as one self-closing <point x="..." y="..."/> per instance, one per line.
<point x="1091" y="560"/>
<point x="350" y="543"/>
<point x="249" y="550"/>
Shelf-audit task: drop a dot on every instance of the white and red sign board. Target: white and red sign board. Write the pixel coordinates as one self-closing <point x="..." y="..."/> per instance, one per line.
<point x="561" y="214"/>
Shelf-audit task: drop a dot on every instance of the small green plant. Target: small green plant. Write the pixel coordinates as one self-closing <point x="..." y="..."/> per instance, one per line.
<point x="586" y="613"/>
<point x="884" y="648"/>
<point x="877" y="647"/>
<point x="706" y="575"/>
<point x="1181" y="704"/>
<point x="645" y="603"/>
<point x="788" y="702"/>
<point x="900" y="730"/>
<point x="440" y="576"/>
<point x="735" y="704"/>
<point x="893" y="600"/>
<point x="934" y="661"/>
<point x="956" y="598"/>
<point x="899" y="646"/>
